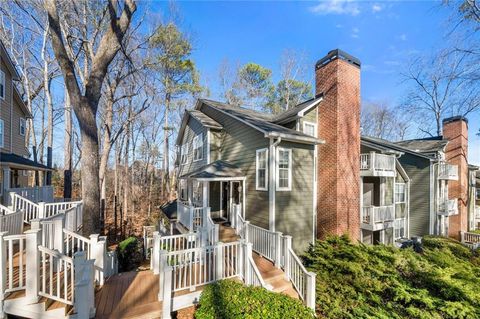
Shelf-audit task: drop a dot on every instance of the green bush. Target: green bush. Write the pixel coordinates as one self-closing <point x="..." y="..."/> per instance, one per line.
<point x="130" y="254"/>
<point x="359" y="281"/>
<point x="229" y="299"/>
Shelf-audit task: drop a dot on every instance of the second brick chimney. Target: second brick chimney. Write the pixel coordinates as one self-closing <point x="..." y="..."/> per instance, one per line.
<point x="337" y="78"/>
<point x="455" y="130"/>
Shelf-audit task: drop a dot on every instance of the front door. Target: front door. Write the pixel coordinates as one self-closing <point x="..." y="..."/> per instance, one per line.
<point x="225" y="199"/>
<point x="231" y="195"/>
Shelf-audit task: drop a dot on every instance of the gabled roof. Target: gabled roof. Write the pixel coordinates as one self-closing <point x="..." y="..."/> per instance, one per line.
<point x="390" y="146"/>
<point x="297" y="111"/>
<point x="259" y="121"/>
<point x="201" y="117"/>
<point x="216" y="170"/>
<point x="425" y="145"/>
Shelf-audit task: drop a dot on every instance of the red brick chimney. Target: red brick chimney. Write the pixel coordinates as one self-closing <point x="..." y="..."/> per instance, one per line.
<point x="455" y="130"/>
<point x="337" y="78"/>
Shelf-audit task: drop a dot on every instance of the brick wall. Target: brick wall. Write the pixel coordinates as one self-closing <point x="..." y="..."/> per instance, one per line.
<point x="338" y="209"/>
<point x="455" y="130"/>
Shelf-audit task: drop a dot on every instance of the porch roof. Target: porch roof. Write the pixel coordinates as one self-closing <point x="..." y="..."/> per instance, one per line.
<point x="218" y="170"/>
<point x="17" y="161"/>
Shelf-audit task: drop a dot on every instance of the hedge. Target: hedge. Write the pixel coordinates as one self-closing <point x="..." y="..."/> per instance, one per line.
<point x="130" y="254"/>
<point x="228" y="299"/>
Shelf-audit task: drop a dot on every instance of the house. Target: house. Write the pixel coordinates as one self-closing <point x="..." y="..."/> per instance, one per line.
<point x="15" y="164"/>
<point x="474" y="198"/>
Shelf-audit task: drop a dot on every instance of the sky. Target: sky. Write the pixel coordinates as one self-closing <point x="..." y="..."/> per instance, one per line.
<point x="384" y="35"/>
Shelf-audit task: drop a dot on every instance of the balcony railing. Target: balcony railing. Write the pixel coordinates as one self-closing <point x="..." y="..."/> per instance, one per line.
<point x="377" y="214"/>
<point x="477" y="212"/>
<point x="377" y="163"/>
<point x="448" y="171"/>
<point x="448" y="207"/>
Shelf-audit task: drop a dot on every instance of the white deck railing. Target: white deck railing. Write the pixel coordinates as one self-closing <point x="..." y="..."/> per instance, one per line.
<point x="468" y="237"/>
<point x="448" y="207"/>
<point x="377" y="214"/>
<point x="52" y="209"/>
<point x="190" y="216"/>
<point x="377" y="162"/>
<point x="447" y="171"/>
<point x="34" y="194"/>
<point x="11" y="222"/>
<point x="12" y="261"/>
<point x="29" y="208"/>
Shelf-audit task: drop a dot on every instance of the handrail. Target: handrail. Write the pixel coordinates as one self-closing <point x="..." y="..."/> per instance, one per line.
<point x="14" y="248"/>
<point x="31" y="209"/>
<point x="12" y="222"/>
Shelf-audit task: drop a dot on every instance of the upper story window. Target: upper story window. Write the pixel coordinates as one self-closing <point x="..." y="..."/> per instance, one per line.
<point x="262" y="169"/>
<point x="310" y="128"/>
<point x="198" y="147"/>
<point x="2" y="85"/>
<point x="1" y="134"/>
<point x="400" y="196"/>
<point x="184" y="154"/>
<point x="22" y="126"/>
<point x="284" y="169"/>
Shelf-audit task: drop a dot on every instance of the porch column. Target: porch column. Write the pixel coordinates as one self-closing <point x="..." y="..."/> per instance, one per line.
<point x="6" y="185"/>
<point x="243" y="198"/>
<point x="205" y="194"/>
<point x="189" y="192"/>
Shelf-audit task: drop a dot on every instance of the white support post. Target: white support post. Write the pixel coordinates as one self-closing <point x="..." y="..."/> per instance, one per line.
<point x="58" y="225"/>
<point x="248" y="253"/>
<point x="3" y="271"/>
<point x="372" y="161"/>
<point x="190" y="219"/>
<point x="278" y="249"/>
<point x="462" y="236"/>
<point x="98" y="245"/>
<point x="219" y="261"/>
<point x="167" y="292"/>
<point x="41" y="210"/>
<point x="32" y="265"/>
<point x="205" y="194"/>
<point x="247" y="223"/>
<point x="81" y="295"/>
<point x="216" y="233"/>
<point x="310" y="294"/>
<point x="286" y="254"/>
<point x="161" y="278"/>
<point x="241" y="259"/>
<point x="35" y="223"/>
<point x="155" y="255"/>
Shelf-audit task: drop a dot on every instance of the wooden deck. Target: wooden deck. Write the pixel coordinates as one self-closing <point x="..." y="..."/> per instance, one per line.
<point x="129" y="295"/>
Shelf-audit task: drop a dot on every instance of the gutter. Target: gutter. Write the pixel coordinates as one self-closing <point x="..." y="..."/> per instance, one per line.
<point x="294" y="138"/>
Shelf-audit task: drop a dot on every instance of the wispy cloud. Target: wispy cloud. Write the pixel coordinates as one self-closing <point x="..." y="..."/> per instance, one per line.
<point x="347" y="7"/>
<point x="355" y="32"/>
<point x="376" y="8"/>
<point x="403" y="37"/>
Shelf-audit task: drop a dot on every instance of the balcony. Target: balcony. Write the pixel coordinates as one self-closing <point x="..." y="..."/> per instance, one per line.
<point x="448" y="172"/>
<point x="448" y="207"/>
<point x="377" y="217"/>
<point x="477" y="212"/>
<point x="374" y="164"/>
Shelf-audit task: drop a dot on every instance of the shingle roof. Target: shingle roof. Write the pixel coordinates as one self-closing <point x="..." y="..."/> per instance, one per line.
<point x="217" y="169"/>
<point x="19" y="160"/>
<point x="205" y="120"/>
<point x="260" y="121"/>
<point x="387" y="145"/>
<point x="292" y="113"/>
<point x="425" y="145"/>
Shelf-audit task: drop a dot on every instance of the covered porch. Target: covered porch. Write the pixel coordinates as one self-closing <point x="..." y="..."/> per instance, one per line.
<point x="218" y="187"/>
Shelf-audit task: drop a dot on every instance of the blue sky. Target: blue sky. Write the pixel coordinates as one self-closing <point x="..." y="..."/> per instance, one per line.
<point x="383" y="35"/>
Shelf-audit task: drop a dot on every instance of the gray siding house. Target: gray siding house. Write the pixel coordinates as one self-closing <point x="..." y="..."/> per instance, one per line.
<point x="234" y="158"/>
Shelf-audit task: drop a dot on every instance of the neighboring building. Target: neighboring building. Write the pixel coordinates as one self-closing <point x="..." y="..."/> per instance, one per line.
<point x="474" y="198"/>
<point x="14" y="163"/>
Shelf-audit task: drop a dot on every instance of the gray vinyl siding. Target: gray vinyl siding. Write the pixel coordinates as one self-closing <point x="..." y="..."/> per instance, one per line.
<point x="294" y="208"/>
<point x="310" y="116"/>
<point x="192" y="129"/>
<point x="418" y="170"/>
<point x="237" y="144"/>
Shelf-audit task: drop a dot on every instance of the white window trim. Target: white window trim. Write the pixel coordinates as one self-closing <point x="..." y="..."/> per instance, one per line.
<point x="289" y="188"/>
<point x="2" y="133"/>
<point x="4" y="80"/>
<point x="314" y="127"/>
<point x="198" y="140"/>
<point x="22" y="120"/>
<point x="404" y="193"/>
<point x="258" y="188"/>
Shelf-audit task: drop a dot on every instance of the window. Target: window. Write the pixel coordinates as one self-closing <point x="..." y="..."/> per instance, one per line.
<point x="22" y="126"/>
<point x="183" y="189"/>
<point x="310" y="128"/>
<point x="2" y="85"/>
<point x="1" y="134"/>
<point x="262" y="170"/>
<point x="198" y="147"/>
<point x="284" y="169"/>
<point x="400" y="193"/>
<point x="184" y="154"/>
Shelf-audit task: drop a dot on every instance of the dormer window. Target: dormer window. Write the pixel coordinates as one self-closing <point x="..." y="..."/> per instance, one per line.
<point x="310" y="128"/>
<point x="2" y="85"/>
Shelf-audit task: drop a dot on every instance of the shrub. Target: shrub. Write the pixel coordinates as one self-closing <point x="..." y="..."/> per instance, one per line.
<point x="130" y="254"/>
<point x="228" y="299"/>
<point x="359" y="281"/>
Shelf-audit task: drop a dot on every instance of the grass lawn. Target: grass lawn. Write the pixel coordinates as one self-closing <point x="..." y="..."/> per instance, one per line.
<point x="359" y="281"/>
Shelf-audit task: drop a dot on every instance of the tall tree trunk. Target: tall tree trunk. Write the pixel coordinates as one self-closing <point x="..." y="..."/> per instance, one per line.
<point x="166" y="171"/>
<point x="67" y="149"/>
<point x="48" y="98"/>
<point x="126" y="177"/>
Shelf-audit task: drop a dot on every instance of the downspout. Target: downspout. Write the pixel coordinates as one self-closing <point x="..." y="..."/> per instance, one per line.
<point x="433" y="196"/>
<point x="272" y="182"/>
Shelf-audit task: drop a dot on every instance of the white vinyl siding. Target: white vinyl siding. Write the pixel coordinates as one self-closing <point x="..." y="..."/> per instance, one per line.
<point x="2" y="85"/>
<point x="198" y="147"/>
<point x="310" y="128"/>
<point x="22" y="126"/>
<point x="2" y="135"/>
<point x="262" y="169"/>
<point x="284" y="169"/>
<point x="184" y="154"/>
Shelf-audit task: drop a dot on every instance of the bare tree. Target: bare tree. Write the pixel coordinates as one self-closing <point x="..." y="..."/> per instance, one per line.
<point x="85" y="104"/>
<point x="378" y="119"/>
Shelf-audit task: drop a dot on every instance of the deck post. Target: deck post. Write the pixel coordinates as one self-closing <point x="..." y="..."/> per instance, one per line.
<point x="286" y="255"/>
<point x="32" y="265"/>
<point x="81" y="300"/>
<point x="3" y="271"/>
<point x="155" y="254"/>
<point x="35" y="223"/>
<point x="246" y="258"/>
<point x="58" y="225"/>
<point x="98" y="245"/>
<point x="219" y="261"/>
<point x="190" y="219"/>
<point x="245" y="231"/>
<point x="241" y="258"/>
<point x="310" y="294"/>
<point x="462" y="236"/>
<point x="41" y="210"/>
<point x="161" y="277"/>
<point x="278" y="249"/>
<point x="167" y="292"/>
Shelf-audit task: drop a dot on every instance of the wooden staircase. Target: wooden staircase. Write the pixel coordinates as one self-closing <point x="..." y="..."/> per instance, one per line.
<point x="16" y="304"/>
